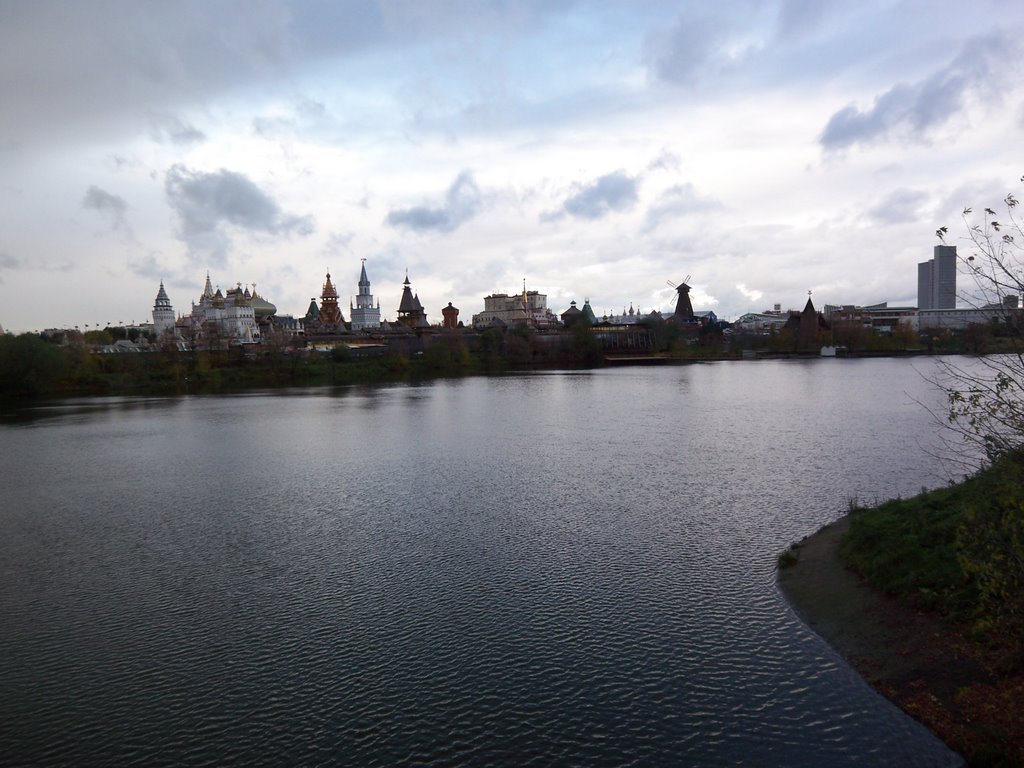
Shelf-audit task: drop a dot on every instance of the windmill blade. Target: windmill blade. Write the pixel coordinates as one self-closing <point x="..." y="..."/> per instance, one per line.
<point x="687" y="279"/>
<point x="671" y="283"/>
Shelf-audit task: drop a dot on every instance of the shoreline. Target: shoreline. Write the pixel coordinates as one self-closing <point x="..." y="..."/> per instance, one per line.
<point x="919" y="662"/>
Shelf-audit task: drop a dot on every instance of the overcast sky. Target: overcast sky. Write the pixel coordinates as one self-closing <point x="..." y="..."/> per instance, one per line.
<point x="596" y="149"/>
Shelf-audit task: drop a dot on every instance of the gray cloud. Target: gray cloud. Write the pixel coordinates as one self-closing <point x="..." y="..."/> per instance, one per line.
<point x="678" y="201"/>
<point x="612" y="192"/>
<point x="168" y="128"/>
<point x="121" y="162"/>
<point x="206" y="203"/>
<point x="694" y="43"/>
<point x="7" y="264"/>
<point x="912" y="110"/>
<point x="338" y="242"/>
<point x="665" y="161"/>
<point x="462" y="202"/>
<point x="106" y="203"/>
<point x="898" y="207"/>
<point x="801" y="18"/>
<point x="152" y="265"/>
<point x="87" y="67"/>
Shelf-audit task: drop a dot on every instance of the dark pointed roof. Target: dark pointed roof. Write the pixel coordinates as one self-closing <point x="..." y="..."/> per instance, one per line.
<point x="588" y="312"/>
<point x="161" y="298"/>
<point x="408" y="303"/>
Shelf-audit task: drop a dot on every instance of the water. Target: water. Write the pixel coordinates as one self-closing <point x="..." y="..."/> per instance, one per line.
<point x="552" y="569"/>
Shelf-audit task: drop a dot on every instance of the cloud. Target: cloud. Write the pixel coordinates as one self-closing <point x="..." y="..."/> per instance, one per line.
<point x="800" y="18"/>
<point x="679" y="200"/>
<point x="665" y="161"/>
<point x="152" y="265"/>
<point x="308" y="117"/>
<point x="95" y="66"/>
<point x="168" y="128"/>
<point x="8" y="263"/>
<point x="108" y="204"/>
<point x="610" y="193"/>
<point x="338" y="242"/>
<point x="750" y="294"/>
<point x="697" y="41"/>
<point x="462" y="202"/>
<point x="898" y="207"/>
<point x="207" y="203"/>
<point x="913" y="110"/>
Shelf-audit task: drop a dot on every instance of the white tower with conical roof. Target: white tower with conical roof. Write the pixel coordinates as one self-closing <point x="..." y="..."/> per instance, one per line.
<point x="163" y="313"/>
<point x="364" y="314"/>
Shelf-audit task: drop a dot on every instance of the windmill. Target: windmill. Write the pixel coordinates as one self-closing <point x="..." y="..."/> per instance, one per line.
<point x="684" y="309"/>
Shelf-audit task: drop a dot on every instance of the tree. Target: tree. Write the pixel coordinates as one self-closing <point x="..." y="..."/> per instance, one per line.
<point x="985" y="397"/>
<point x="29" y="365"/>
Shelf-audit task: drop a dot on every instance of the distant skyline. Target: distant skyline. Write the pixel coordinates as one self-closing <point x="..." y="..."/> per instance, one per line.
<point x="598" y="149"/>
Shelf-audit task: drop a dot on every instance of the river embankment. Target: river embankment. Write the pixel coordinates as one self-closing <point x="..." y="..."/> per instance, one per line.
<point x="929" y="667"/>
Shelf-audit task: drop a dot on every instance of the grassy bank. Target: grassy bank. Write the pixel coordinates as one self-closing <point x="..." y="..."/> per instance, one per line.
<point x="956" y="554"/>
<point x="957" y="551"/>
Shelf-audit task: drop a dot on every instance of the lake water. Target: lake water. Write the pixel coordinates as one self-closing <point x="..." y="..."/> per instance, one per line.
<point x="550" y="569"/>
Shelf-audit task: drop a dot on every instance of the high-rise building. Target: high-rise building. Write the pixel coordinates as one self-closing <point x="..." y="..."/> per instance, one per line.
<point x="364" y="314"/>
<point x="936" y="279"/>
<point x="924" y="284"/>
<point x="944" y="277"/>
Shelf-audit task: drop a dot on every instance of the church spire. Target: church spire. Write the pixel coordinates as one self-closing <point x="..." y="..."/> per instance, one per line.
<point x="330" y="312"/>
<point x="363" y="313"/>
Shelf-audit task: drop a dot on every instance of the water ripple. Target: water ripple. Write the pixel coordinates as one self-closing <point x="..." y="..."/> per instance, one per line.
<point x="228" y="585"/>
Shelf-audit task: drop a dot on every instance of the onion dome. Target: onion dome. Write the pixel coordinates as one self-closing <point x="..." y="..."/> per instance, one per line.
<point x="262" y="308"/>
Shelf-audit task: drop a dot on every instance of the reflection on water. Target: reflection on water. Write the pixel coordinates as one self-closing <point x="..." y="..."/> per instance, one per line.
<point x="529" y="570"/>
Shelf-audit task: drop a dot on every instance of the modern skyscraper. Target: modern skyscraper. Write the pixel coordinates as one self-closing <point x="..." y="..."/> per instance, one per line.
<point x="936" y="279"/>
<point x="924" y="284"/>
<point x="944" y="277"/>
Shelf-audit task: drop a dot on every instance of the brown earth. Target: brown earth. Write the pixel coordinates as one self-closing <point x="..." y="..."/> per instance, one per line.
<point x="926" y="666"/>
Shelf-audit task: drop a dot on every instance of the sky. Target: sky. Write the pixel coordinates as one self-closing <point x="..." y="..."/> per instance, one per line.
<point x="596" y="150"/>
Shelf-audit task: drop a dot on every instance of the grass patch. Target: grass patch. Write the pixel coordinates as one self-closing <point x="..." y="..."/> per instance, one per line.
<point x="937" y="549"/>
